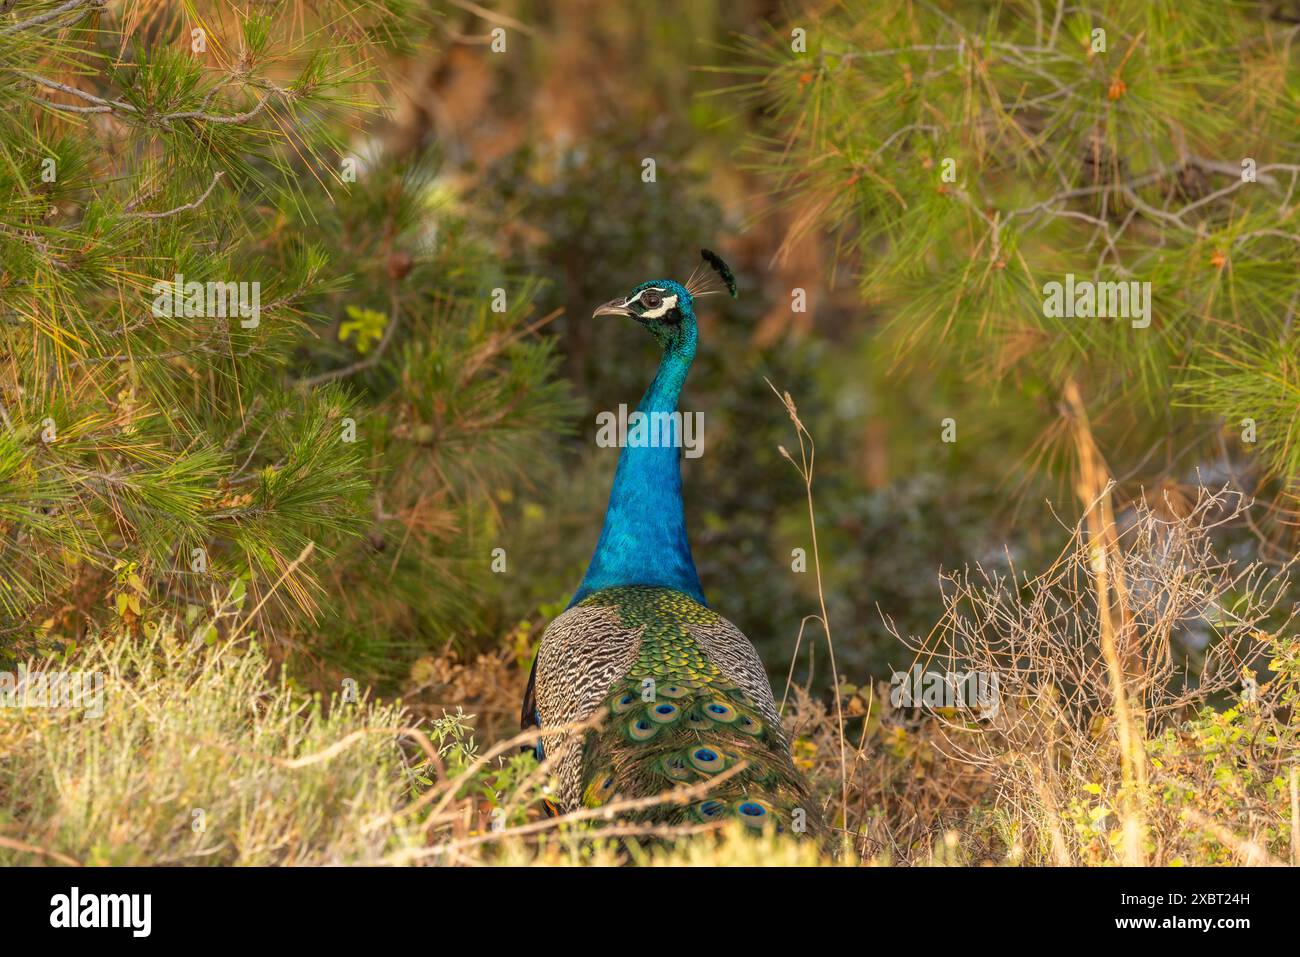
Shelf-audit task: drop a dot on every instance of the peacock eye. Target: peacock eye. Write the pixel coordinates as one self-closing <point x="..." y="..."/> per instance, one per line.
<point x="651" y="300"/>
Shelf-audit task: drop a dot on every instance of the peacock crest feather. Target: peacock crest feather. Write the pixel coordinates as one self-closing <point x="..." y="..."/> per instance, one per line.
<point x="700" y="282"/>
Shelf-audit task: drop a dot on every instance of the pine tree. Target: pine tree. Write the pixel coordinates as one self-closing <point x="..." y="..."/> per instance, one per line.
<point x="254" y="373"/>
<point x="968" y="157"/>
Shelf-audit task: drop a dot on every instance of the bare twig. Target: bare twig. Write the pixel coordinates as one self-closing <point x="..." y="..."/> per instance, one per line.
<point x="50" y="15"/>
<point x="180" y="209"/>
<point x="10" y="843"/>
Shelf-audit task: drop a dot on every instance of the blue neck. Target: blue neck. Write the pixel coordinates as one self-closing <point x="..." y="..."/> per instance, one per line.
<point x="644" y="538"/>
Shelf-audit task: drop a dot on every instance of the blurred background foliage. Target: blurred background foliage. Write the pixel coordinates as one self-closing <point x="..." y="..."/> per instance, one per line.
<point x="476" y="169"/>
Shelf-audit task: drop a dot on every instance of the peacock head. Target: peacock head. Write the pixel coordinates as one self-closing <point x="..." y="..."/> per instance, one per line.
<point x="666" y="307"/>
<point x="662" y="306"/>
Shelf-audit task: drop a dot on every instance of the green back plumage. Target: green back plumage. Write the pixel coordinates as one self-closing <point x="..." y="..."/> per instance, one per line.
<point x="674" y="718"/>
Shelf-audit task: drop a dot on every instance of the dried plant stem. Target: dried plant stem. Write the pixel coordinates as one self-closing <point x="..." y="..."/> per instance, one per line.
<point x="807" y="457"/>
<point x="679" y="795"/>
<point x="293" y="566"/>
<point x="1251" y="853"/>
<point x="1295" y="817"/>
<point x="39" y="851"/>
<point x="1094" y="488"/>
<point x="1060" y="850"/>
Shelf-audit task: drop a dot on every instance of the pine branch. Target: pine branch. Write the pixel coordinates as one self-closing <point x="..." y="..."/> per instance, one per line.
<point x="52" y="15"/>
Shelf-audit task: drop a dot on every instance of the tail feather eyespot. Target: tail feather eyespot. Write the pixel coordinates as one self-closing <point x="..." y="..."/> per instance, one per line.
<point x="710" y="810"/>
<point x="707" y="759"/>
<point x="674" y="765"/>
<point x="720" y="711"/>
<point x="601" y="789"/>
<point x="697" y="722"/>
<point x="642" y="729"/>
<point x="754" y="813"/>
<point x="749" y="725"/>
<point x="664" y="713"/>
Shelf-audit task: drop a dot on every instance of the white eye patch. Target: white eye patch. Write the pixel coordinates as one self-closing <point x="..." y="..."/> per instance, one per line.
<point x="668" y="303"/>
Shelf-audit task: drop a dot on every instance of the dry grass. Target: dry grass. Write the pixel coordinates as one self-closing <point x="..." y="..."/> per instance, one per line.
<point x="1042" y="777"/>
<point x="282" y="778"/>
<point x="197" y="758"/>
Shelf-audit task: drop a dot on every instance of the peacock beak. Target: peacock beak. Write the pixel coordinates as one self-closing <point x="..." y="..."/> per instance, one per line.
<point x="615" y="307"/>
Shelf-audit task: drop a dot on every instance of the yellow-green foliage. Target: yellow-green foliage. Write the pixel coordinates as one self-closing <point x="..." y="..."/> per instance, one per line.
<point x="189" y="734"/>
<point x="279" y="778"/>
<point x="200" y="758"/>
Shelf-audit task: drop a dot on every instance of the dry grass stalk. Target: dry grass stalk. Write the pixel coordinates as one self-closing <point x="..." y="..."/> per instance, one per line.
<point x="805" y="465"/>
<point x="1094" y="487"/>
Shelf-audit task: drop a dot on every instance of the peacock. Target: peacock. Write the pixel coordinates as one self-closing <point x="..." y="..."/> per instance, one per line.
<point x="670" y="692"/>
